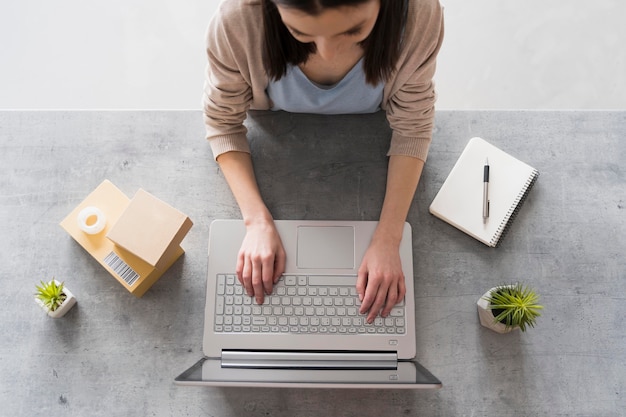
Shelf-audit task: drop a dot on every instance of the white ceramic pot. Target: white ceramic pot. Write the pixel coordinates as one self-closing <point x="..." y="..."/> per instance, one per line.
<point x="486" y="316"/>
<point x="69" y="302"/>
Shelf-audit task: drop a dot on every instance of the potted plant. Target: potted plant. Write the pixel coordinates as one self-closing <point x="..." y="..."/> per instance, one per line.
<point x="54" y="298"/>
<point x="508" y="307"/>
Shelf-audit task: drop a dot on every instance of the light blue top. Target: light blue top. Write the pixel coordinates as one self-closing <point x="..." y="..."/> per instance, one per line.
<point x="295" y="93"/>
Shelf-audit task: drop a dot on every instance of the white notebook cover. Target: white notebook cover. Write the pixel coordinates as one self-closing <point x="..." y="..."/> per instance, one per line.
<point x="459" y="202"/>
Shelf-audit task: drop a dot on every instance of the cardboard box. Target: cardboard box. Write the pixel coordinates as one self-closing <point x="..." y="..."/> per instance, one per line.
<point x="140" y="240"/>
<point x="150" y="229"/>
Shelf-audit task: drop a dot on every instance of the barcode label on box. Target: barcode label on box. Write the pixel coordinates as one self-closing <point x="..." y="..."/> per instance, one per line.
<point x="121" y="268"/>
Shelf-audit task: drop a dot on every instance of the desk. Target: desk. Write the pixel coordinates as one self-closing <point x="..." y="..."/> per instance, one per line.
<point x="116" y="355"/>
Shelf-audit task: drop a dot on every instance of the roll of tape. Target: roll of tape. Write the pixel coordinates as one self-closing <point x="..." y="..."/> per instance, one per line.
<point x="91" y="220"/>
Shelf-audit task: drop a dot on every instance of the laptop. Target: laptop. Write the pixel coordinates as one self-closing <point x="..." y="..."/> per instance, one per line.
<point x="308" y="332"/>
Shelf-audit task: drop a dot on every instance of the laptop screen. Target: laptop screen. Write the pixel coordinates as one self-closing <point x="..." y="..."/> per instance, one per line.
<point x="209" y="372"/>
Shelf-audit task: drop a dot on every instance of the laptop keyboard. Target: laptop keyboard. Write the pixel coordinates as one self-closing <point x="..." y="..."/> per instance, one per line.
<point x="300" y="304"/>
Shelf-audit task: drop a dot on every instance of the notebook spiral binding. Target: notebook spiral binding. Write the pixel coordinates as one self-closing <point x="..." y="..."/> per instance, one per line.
<point x="504" y="227"/>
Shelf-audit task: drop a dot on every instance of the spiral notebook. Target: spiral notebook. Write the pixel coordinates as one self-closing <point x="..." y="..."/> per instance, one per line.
<point x="459" y="202"/>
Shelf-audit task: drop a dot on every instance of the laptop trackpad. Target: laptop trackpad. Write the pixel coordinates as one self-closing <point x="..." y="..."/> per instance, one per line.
<point x="326" y="247"/>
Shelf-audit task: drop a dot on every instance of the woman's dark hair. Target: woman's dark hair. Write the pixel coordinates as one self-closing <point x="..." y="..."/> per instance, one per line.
<point x="382" y="46"/>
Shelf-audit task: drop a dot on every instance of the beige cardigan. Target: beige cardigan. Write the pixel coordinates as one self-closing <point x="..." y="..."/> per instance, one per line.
<point x="236" y="80"/>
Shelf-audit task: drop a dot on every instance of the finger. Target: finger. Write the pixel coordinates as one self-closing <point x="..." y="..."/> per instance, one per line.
<point x="381" y="296"/>
<point x="401" y="290"/>
<point x="392" y="298"/>
<point x="257" y="281"/>
<point x="279" y="264"/>
<point x="246" y="277"/>
<point x="361" y="283"/>
<point x="239" y="268"/>
<point x="369" y="298"/>
<point x="267" y="274"/>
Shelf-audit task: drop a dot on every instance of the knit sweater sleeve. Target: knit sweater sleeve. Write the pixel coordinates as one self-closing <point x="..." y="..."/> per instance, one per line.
<point x="410" y="94"/>
<point x="227" y="87"/>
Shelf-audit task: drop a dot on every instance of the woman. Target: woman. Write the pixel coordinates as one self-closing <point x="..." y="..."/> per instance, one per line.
<point x="334" y="56"/>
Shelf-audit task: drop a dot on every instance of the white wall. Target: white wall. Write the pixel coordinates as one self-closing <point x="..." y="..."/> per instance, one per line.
<point x="148" y="54"/>
<point x="533" y="54"/>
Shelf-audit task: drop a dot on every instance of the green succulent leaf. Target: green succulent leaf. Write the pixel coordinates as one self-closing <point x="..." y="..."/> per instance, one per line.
<point x="51" y="294"/>
<point x="517" y="304"/>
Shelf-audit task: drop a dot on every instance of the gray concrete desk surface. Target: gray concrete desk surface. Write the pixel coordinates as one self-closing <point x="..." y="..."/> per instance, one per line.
<point x="116" y="355"/>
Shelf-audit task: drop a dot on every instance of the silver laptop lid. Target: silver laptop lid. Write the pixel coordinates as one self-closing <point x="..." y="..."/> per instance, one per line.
<point x="407" y="375"/>
<point x="314" y="248"/>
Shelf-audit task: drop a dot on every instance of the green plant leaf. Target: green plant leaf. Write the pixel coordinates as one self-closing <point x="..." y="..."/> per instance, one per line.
<point x="50" y="294"/>
<point x="518" y="305"/>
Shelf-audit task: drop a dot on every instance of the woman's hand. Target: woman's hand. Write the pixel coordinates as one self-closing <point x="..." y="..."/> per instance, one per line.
<point x="380" y="282"/>
<point x="261" y="260"/>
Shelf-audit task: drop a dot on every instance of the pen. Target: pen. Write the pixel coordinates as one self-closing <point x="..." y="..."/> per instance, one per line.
<point x="486" y="191"/>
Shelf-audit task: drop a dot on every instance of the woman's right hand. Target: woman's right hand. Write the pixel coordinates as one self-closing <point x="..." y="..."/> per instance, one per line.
<point x="261" y="259"/>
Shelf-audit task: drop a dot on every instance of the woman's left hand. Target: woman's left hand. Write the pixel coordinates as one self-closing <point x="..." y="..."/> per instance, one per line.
<point x="380" y="282"/>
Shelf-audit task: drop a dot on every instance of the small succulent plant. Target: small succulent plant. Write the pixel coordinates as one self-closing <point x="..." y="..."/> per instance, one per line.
<point x="514" y="305"/>
<point x="50" y="294"/>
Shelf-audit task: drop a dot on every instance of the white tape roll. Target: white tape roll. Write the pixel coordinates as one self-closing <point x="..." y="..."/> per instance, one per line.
<point x="91" y="220"/>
